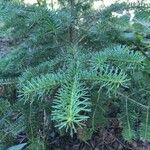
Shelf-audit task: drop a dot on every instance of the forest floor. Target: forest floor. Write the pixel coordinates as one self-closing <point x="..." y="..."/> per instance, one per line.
<point x="108" y="138"/>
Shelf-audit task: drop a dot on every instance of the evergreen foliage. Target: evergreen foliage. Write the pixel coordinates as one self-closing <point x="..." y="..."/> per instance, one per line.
<point x="57" y="58"/>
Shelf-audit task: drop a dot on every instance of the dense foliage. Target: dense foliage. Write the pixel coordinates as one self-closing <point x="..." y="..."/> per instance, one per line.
<point x="70" y="69"/>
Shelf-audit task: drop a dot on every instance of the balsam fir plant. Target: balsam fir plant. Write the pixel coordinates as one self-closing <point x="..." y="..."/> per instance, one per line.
<point x="61" y="60"/>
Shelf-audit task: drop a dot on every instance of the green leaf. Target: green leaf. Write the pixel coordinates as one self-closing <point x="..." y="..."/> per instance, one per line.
<point x="18" y="147"/>
<point x="70" y="106"/>
<point x="124" y="57"/>
<point x="38" y="86"/>
<point x="128" y="134"/>
<point x="109" y="77"/>
<point x="36" y="144"/>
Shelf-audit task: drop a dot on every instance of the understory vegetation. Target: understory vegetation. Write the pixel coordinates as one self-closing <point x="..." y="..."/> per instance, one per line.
<point x="72" y="69"/>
